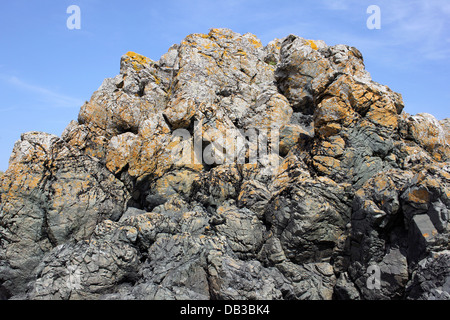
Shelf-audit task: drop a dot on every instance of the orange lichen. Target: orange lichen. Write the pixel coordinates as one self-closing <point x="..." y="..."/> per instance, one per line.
<point x="419" y="196"/>
<point x="380" y="183"/>
<point x="312" y="44"/>
<point x="241" y="52"/>
<point x="326" y="164"/>
<point x="255" y="42"/>
<point x="137" y="60"/>
<point x="205" y="55"/>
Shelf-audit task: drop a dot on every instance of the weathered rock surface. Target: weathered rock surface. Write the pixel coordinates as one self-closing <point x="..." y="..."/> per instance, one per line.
<point x="153" y="192"/>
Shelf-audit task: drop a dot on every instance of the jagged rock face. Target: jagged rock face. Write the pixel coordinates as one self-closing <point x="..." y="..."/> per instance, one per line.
<point x="153" y="193"/>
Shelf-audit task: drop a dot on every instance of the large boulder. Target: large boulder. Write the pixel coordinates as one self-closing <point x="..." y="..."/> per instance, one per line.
<point x="232" y="170"/>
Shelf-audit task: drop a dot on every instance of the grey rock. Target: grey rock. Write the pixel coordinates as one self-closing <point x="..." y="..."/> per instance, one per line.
<point x="345" y="289"/>
<point x="61" y="196"/>
<point x="305" y="219"/>
<point x="129" y="203"/>
<point x="237" y="279"/>
<point x="244" y="231"/>
<point x="431" y="280"/>
<point x="131" y="212"/>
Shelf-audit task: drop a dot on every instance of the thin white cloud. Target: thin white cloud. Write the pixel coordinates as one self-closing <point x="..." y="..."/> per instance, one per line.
<point x="52" y="98"/>
<point x="416" y="29"/>
<point x="337" y="4"/>
<point x="421" y="25"/>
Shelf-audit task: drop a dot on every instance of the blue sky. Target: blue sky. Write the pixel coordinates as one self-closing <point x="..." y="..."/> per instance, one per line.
<point x="47" y="71"/>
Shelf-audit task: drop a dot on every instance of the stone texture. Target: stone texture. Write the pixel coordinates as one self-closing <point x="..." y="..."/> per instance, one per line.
<point x="51" y="194"/>
<point x="152" y="193"/>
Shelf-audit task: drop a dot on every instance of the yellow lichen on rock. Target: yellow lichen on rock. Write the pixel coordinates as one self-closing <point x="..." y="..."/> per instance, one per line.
<point x="137" y="60"/>
<point x="312" y="44"/>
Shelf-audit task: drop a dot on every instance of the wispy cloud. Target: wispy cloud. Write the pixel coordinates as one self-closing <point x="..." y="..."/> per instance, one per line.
<point x="418" y="28"/>
<point x="338" y="4"/>
<point x="422" y="24"/>
<point x="50" y="97"/>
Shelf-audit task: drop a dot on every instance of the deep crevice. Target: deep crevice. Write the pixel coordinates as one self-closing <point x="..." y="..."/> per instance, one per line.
<point x="124" y="128"/>
<point x="4" y="293"/>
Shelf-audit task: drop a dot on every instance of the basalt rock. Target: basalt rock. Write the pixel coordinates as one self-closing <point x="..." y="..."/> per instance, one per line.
<point x="232" y="170"/>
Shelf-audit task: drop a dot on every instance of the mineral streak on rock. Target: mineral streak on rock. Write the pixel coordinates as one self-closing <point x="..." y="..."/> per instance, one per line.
<point x="107" y="212"/>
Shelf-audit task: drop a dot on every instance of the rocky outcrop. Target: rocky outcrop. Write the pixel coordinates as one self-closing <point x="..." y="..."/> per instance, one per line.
<point x="232" y="170"/>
